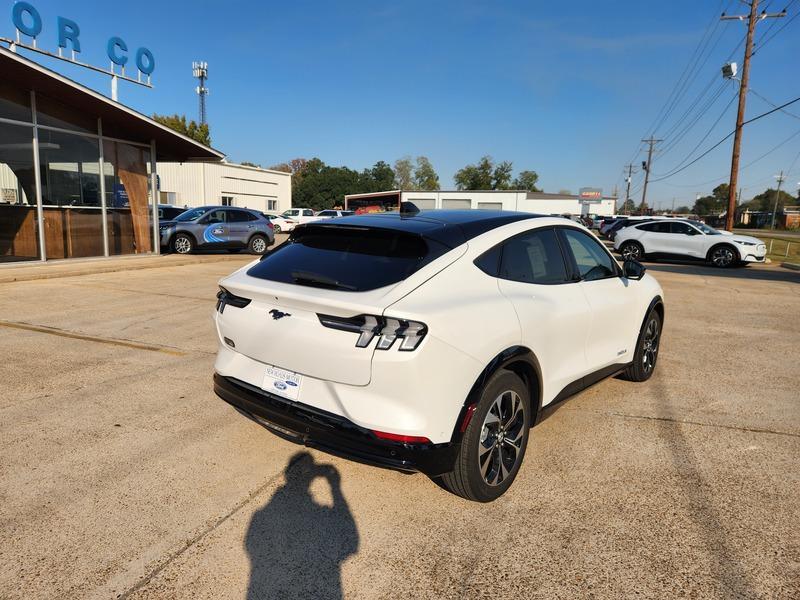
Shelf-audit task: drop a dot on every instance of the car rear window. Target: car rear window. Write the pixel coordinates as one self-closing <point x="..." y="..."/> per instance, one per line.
<point x="347" y="258"/>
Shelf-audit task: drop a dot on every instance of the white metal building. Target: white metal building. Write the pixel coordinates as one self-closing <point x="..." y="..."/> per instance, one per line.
<point x="535" y="202"/>
<point x="228" y="184"/>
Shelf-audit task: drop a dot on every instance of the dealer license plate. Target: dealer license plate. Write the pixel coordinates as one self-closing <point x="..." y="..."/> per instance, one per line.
<point x="282" y="382"/>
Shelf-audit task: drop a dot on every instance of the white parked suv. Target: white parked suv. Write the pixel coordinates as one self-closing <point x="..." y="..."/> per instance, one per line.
<point x="431" y="341"/>
<point x="299" y="215"/>
<point x="687" y="239"/>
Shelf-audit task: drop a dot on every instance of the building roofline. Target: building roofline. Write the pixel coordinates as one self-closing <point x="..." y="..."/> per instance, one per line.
<point x="26" y="62"/>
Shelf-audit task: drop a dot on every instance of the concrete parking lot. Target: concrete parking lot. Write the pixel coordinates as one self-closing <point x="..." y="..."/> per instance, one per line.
<point x="122" y="474"/>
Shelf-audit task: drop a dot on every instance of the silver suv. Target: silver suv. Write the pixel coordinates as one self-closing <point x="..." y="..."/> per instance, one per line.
<point x="217" y="228"/>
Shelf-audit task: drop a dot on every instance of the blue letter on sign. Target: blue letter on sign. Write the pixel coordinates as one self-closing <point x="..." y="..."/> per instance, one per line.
<point x="113" y="44"/>
<point x="68" y="30"/>
<point x="19" y="9"/>
<point x="141" y="55"/>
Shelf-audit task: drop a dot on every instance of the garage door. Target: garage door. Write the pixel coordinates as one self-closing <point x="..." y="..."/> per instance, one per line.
<point x="423" y="203"/>
<point x="490" y="205"/>
<point x="456" y="203"/>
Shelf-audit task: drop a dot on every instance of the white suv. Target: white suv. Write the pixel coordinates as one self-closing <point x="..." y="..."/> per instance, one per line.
<point x="687" y="239"/>
<point x="430" y="342"/>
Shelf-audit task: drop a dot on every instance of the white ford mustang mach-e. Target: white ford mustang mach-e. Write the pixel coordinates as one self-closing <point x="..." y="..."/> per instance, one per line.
<point x="688" y="240"/>
<point x="431" y="341"/>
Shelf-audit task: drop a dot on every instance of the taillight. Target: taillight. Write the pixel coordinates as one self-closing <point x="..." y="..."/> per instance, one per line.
<point x="224" y="297"/>
<point x="397" y="437"/>
<point x="270" y="225"/>
<point x="387" y="329"/>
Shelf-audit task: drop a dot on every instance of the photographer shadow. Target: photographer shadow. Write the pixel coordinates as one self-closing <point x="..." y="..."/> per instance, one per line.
<point x="296" y="545"/>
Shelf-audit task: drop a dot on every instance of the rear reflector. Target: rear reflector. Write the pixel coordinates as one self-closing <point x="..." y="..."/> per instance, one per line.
<point x="468" y="417"/>
<point x="396" y="437"/>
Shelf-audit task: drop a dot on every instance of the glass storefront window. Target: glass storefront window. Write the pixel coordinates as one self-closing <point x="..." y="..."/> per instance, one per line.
<point x="15" y="103"/>
<point x="54" y="113"/>
<point x="126" y="169"/>
<point x="70" y="179"/>
<point x="18" y="217"/>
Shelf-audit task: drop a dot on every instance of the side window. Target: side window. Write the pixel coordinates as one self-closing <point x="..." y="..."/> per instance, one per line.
<point x="533" y="257"/>
<point x="236" y="216"/>
<point x="215" y="216"/>
<point x="592" y="260"/>
<point x="308" y="212"/>
<point x="647" y="227"/>
<point x="682" y="228"/>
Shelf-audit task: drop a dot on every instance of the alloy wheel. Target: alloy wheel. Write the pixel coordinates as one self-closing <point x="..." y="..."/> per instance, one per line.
<point x="501" y="438"/>
<point x="722" y="257"/>
<point x="631" y="252"/>
<point x="650" y="345"/>
<point x="259" y="245"/>
<point x="182" y="245"/>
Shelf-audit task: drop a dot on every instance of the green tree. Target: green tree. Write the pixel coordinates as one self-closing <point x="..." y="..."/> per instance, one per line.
<point x="379" y="178"/>
<point x="197" y="132"/>
<point x="247" y="163"/>
<point x="403" y="173"/>
<point x="425" y="177"/>
<point x="714" y="204"/>
<point x="488" y="175"/>
<point x="682" y="210"/>
<point x="321" y="186"/>
<point x="628" y="206"/>
<point x="476" y="177"/>
<point x="501" y="176"/>
<point x="526" y="180"/>
<point x="766" y="200"/>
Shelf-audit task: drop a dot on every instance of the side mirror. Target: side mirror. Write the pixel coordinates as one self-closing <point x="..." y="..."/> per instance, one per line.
<point x="632" y="269"/>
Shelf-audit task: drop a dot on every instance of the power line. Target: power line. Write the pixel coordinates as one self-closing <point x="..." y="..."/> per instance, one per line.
<point x="708" y="133"/>
<point x="762" y="115"/>
<point x="764" y="39"/>
<point x="771" y="103"/>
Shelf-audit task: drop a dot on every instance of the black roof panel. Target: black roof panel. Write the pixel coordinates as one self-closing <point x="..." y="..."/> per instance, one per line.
<point x="451" y="227"/>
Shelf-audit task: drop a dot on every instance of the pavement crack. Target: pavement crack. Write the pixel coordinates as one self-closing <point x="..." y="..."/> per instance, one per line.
<point x="173" y="556"/>
<point x="690" y="422"/>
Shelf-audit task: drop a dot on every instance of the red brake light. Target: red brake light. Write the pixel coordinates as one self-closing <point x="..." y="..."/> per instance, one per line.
<point x="270" y="225"/>
<point x="396" y="437"/>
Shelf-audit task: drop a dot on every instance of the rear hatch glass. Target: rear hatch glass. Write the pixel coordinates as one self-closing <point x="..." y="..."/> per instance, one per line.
<point x="347" y="258"/>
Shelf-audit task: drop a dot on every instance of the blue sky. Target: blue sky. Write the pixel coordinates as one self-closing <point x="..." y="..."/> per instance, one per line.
<point x="565" y="89"/>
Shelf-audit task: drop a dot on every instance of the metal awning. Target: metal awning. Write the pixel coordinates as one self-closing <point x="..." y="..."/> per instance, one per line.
<point x="125" y="122"/>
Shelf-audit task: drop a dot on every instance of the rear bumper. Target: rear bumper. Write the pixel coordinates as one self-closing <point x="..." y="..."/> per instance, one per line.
<point x="331" y="433"/>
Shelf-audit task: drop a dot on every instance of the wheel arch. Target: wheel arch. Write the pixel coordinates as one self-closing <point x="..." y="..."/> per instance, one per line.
<point x="518" y="359"/>
<point x="657" y="304"/>
<point x="721" y="244"/>
<point x="188" y="234"/>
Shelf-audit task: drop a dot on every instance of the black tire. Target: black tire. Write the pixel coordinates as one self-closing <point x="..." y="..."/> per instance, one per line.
<point x="646" y="356"/>
<point x="632" y="251"/>
<point x="501" y="437"/>
<point x="723" y="256"/>
<point x="183" y="244"/>
<point x="258" y="244"/>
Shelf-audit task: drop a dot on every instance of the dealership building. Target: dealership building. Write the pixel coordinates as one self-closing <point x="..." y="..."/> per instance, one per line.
<point x="222" y="183"/>
<point x="78" y="171"/>
<point x="588" y="201"/>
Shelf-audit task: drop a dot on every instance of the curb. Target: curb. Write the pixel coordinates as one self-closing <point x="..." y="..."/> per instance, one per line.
<point x="106" y="265"/>
<point x="792" y="266"/>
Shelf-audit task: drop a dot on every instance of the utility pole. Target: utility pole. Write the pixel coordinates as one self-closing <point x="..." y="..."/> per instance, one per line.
<point x="752" y="19"/>
<point x="780" y="179"/>
<point x="628" y="180"/>
<point x="646" y="166"/>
